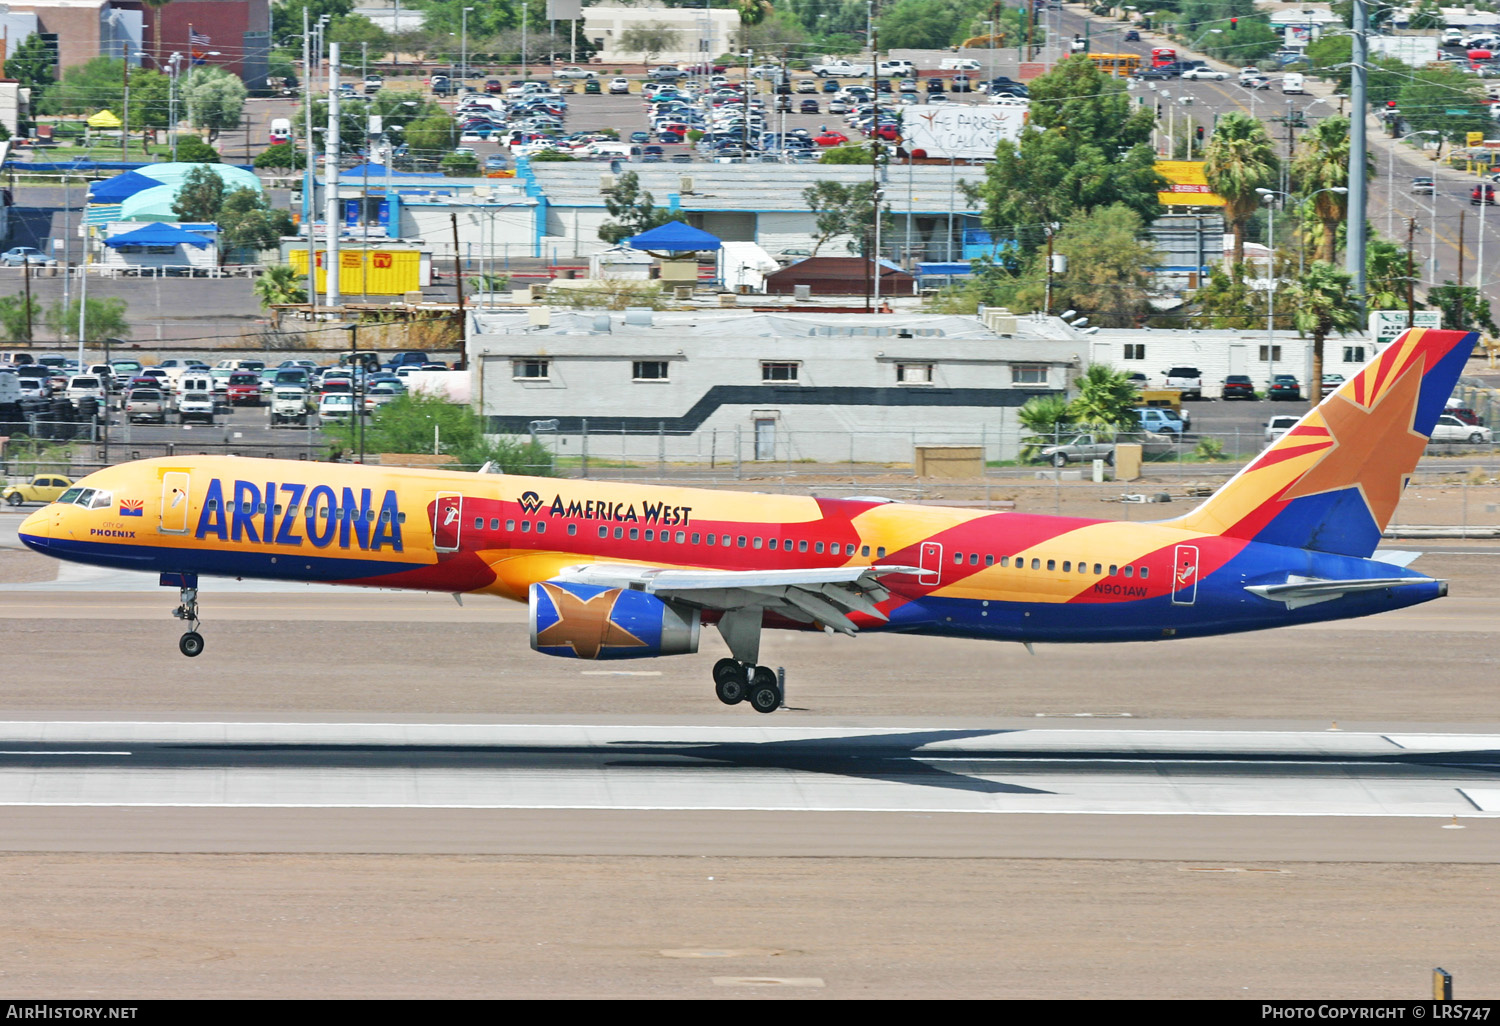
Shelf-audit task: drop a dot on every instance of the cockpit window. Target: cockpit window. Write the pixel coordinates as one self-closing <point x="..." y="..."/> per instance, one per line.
<point x="101" y="500"/>
<point x="85" y="497"/>
<point x="70" y="495"/>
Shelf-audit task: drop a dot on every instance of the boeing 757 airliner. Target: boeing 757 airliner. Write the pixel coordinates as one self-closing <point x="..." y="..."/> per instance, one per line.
<point x="622" y="571"/>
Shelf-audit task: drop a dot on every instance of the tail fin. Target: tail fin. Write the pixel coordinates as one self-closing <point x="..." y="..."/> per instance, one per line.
<point x="1332" y="482"/>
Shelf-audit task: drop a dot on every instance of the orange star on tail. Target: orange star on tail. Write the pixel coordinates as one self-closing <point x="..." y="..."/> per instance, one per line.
<point x="1369" y="447"/>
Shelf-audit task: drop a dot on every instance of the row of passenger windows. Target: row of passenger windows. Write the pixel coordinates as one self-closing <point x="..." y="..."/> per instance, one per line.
<point x="1051" y="564"/>
<point x="803" y="545"/>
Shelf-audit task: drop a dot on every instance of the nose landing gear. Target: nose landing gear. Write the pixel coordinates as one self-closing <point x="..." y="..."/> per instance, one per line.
<point x="191" y="643"/>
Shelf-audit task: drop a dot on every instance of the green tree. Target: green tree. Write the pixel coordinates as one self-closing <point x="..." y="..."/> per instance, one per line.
<point x="1322" y="303"/>
<point x="1106" y="398"/>
<point x="1228" y="301"/>
<point x="1386" y="279"/>
<point x="1086" y="146"/>
<point x="552" y="157"/>
<point x="841" y="210"/>
<point x="99" y="85"/>
<point x="854" y="153"/>
<point x="280" y="284"/>
<point x="360" y="38"/>
<point x="406" y="425"/>
<point x="430" y="136"/>
<point x="281" y="157"/>
<point x="633" y="210"/>
<point x="214" y="99"/>
<point x="1427" y="15"/>
<point x="18" y="315"/>
<point x="1463" y="308"/>
<point x="246" y="221"/>
<point x="1239" y="159"/>
<point x="1108" y="269"/>
<point x="102" y="318"/>
<point x="1043" y="417"/>
<point x="648" y="39"/>
<point x="460" y="165"/>
<point x="31" y="65"/>
<point x="286" y="18"/>
<point x="1321" y="164"/>
<point x="1449" y="102"/>
<point x="200" y="197"/>
<point x="1249" y="42"/>
<point x="192" y="150"/>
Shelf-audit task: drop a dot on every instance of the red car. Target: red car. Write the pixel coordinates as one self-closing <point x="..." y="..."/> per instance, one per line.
<point x="494" y="85"/>
<point x="244" y="388"/>
<point x="888" y="133"/>
<point x="831" y="138"/>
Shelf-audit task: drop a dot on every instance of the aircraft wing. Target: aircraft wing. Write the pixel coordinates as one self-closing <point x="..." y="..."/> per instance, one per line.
<point x="1307" y="591"/>
<point x="825" y="595"/>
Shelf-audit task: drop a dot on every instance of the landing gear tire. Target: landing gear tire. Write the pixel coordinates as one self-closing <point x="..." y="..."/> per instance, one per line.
<point x="191" y="643"/>
<point x="731" y="691"/>
<point x="765" y="692"/>
<point x="727" y="669"/>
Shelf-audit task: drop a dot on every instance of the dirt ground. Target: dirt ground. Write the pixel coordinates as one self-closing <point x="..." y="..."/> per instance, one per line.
<point x="378" y="926"/>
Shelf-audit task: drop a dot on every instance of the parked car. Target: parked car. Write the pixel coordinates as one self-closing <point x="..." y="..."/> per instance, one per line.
<point x="619" y="86"/>
<point x="1238" y="386"/>
<point x="1160" y="420"/>
<point x="1279" y="425"/>
<point x="146" y="404"/>
<point x="336" y="406"/>
<point x="19" y="255"/>
<point x="809" y="106"/>
<point x="1187" y="380"/>
<point x="1450" y="429"/>
<point x="244" y="388"/>
<point x="1078" y="449"/>
<point x="1332" y="383"/>
<point x="41" y="488"/>
<point x="1284" y="386"/>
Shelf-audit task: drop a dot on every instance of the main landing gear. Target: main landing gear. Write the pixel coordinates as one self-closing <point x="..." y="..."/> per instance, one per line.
<point x="191" y="643"/>
<point x="735" y="681"/>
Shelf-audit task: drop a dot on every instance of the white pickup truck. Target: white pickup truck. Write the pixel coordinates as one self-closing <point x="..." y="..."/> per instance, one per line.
<point x="842" y="69"/>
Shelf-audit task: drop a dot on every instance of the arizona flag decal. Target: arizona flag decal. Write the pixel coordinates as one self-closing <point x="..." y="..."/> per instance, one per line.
<point x="132" y="508"/>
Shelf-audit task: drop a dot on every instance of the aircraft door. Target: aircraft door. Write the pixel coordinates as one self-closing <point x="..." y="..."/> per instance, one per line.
<point x="172" y="517"/>
<point x="447" y="521"/>
<point x="1185" y="575"/>
<point x="931" y="563"/>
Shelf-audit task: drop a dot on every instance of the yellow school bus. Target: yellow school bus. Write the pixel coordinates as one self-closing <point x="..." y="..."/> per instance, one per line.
<point x="1122" y="65"/>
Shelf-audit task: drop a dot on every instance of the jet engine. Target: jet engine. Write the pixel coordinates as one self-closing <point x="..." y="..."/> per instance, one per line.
<point x="584" y="621"/>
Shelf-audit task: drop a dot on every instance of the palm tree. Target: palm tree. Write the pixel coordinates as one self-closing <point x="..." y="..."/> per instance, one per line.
<point x="1106" y="398"/>
<point x="1240" y="158"/>
<point x="279" y="285"/>
<point x="156" y="6"/>
<point x="1322" y="163"/>
<point x="1042" y="416"/>
<point x="1321" y="304"/>
<point x="752" y="13"/>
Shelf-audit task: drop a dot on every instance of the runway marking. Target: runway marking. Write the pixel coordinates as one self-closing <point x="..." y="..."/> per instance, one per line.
<point x="3" y="752"/>
<point x="768" y="981"/>
<point x="721" y="952"/>
<point x="621" y="673"/>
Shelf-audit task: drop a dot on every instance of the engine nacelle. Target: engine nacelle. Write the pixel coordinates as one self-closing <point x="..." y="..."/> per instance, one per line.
<point x="585" y="621"/>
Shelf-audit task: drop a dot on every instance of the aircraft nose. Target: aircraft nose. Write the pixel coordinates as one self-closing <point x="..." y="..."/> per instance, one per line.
<point x="36" y="529"/>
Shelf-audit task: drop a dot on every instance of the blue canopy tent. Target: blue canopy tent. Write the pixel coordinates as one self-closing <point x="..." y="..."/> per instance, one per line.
<point x="674" y="237"/>
<point x="158" y="235"/>
<point x="121" y="187"/>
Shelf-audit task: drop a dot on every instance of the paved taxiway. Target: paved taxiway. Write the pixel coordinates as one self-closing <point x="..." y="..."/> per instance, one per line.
<point x="1305" y="811"/>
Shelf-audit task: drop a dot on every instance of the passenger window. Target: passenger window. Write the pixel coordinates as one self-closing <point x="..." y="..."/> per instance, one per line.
<point x="849" y="549"/>
<point x="495" y="521"/>
<point x="742" y="541"/>
<point x="1130" y="571"/>
<point x="1097" y="568"/>
<point x="213" y="504"/>
<point x="1067" y="564"/>
<point x="572" y="530"/>
<point x="879" y="552"/>
<point x="619" y="533"/>
<point x="773" y="543"/>
<point x="973" y="556"/>
<point x="818" y="548"/>
<point x="696" y="537"/>
<point x="1005" y="561"/>
<point x="712" y="539"/>
<point x="756" y="542"/>
<point x="525" y="526"/>
<point x="635" y="534"/>
<point x="682" y="535"/>
<point x="802" y="545"/>
<point x="724" y="540"/>
<point x="958" y="557"/>
<point x="864" y="550"/>
<point x="603" y="531"/>
<point x="1036" y="564"/>
<point x="1145" y="570"/>
<point x="541" y="527"/>
<point x="400" y="518"/>
<point x="510" y="525"/>
<point x="650" y="534"/>
<point x="478" y="523"/>
<point x="1113" y="569"/>
<point x="989" y="560"/>
<point x="276" y="509"/>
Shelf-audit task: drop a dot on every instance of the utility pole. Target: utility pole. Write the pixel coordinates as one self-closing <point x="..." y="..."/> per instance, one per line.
<point x="1354" y="254"/>
<point x="872" y="276"/>
<point x="1411" y="287"/>
<point x="308" y="166"/>
<point x="1461" y="213"/>
<point x="332" y="144"/>
<point x="125" y="112"/>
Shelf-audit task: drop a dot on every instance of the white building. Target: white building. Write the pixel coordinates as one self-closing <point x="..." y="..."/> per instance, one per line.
<point x="701" y="35"/>
<point x="716" y="387"/>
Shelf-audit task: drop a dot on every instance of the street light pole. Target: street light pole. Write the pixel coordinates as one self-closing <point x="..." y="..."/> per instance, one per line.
<point x="1354" y="255"/>
<point x="464" y="48"/>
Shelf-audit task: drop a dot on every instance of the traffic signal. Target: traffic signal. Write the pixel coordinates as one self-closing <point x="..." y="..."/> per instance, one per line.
<point x="1199" y="133"/>
<point x="1234" y="23"/>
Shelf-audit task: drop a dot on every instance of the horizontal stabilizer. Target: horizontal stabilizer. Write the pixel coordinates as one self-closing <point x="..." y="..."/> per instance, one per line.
<point x="1307" y="591"/>
<point x="1395" y="557"/>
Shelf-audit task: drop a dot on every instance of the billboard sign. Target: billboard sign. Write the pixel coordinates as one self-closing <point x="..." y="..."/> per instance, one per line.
<point x="1387" y="325"/>
<point x="959" y="131"/>
<point x="1186" y="185"/>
